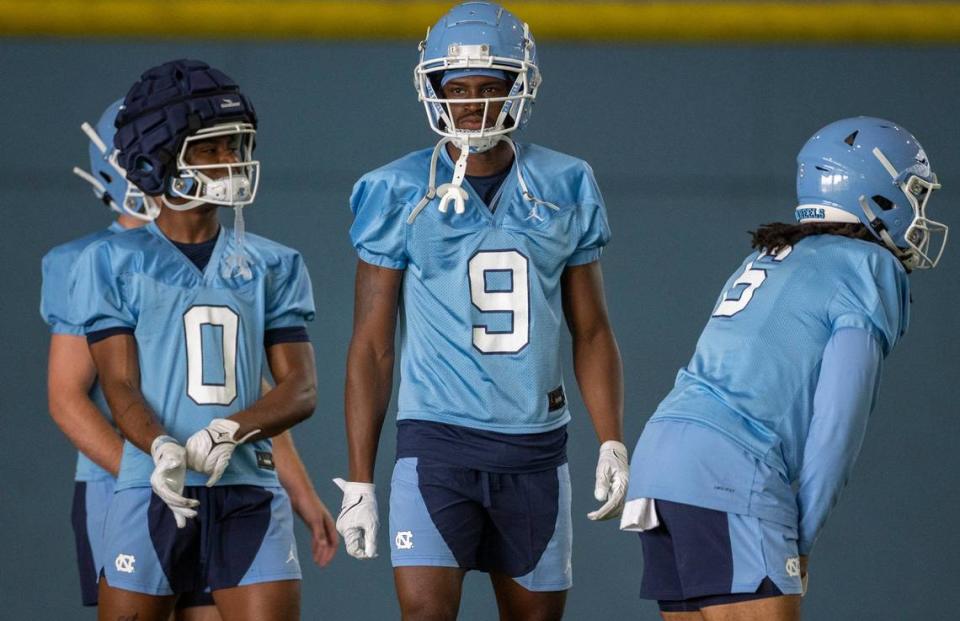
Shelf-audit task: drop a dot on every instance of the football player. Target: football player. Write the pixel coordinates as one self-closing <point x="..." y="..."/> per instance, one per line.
<point x="177" y="315"/>
<point x="482" y="269"/>
<point x="76" y="402"/>
<point x="740" y="465"/>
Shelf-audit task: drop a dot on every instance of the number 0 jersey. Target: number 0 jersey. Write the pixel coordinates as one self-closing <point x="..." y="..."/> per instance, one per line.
<point x="481" y="305"/>
<point x="54" y="308"/>
<point x="755" y="371"/>
<point x="199" y="334"/>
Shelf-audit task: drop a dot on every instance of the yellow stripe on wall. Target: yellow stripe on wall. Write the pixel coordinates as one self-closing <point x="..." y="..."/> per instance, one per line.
<point x="668" y="22"/>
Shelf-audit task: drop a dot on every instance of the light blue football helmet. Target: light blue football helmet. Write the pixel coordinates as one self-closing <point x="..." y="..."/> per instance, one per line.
<point x="486" y="39"/>
<point x="872" y="171"/>
<point x="108" y="179"/>
<point x="475" y="38"/>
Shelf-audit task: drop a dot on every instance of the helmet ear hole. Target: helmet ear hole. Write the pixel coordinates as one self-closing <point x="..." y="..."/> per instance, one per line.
<point x="883" y="202"/>
<point x="143" y="163"/>
<point x="852" y="138"/>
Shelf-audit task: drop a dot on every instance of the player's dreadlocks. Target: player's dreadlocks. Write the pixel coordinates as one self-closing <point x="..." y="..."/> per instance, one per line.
<point x="776" y="235"/>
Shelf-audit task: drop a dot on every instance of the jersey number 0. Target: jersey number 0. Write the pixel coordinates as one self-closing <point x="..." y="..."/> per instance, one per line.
<point x="513" y="298"/>
<point x="211" y="369"/>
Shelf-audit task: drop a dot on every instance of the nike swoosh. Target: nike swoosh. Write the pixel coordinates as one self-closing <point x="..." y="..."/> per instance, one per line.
<point x="347" y="510"/>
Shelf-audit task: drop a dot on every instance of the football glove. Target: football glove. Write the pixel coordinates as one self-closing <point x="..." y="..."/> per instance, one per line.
<point x="358" y="522"/>
<point x="209" y="450"/>
<point x="169" y="472"/>
<point x="613" y="474"/>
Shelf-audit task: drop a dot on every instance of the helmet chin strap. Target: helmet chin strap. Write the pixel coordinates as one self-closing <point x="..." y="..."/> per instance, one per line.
<point x="880" y="230"/>
<point x="187" y="206"/>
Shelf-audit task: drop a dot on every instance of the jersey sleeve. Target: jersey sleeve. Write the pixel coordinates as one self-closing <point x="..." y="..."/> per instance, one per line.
<point x="876" y="298"/>
<point x="54" y="295"/>
<point x="379" y="226"/>
<point x="289" y="301"/>
<point x="591" y="219"/>
<point x="97" y="300"/>
<point x="846" y="393"/>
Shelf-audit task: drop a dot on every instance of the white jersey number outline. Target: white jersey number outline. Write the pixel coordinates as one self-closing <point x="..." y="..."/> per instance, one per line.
<point x="515" y="301"/>
<point x="228" y="321"/>
<point x="752" y="277"/>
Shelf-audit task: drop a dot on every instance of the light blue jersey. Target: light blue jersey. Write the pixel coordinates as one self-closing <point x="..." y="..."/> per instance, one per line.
<point x="481" y="306"/>
<point x="199" y="334"/>
<point x="788" y="364"/>
<point x="54" y="309"/>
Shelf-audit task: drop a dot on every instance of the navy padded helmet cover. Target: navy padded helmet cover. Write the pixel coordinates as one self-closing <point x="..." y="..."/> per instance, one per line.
<point x="169" y="103"/>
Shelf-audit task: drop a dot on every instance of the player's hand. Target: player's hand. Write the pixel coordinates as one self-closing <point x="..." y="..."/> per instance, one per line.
<point x="358" y="522"/>
<point x="209" y="450"/>
<point x="323" y="530"/>
<point x="613" y="474"/>
<point x="169" y="472"/>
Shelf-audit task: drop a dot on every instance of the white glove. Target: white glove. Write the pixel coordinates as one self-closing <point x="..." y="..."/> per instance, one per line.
<point x="613" y="474"/>
<point x="358" y="522"/>
<point x="209" y="450"/>
<point x="169" y="472"/>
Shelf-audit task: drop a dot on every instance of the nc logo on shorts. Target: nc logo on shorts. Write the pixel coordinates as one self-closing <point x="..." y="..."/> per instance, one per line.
<point x="125" y="563"/>
<point x="404" y="540"/>
<point x="793" y="566"/>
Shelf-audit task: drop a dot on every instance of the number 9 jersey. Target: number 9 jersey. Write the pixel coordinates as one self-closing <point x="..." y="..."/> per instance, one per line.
<point x="199" y="334"/>
<point x="481" y="307"/>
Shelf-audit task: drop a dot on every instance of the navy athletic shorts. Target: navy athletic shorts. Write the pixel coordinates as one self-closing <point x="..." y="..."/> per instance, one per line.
<point x="701" y="557"/>
<point x="243" y="534"/>
<point x="516" y="524"/>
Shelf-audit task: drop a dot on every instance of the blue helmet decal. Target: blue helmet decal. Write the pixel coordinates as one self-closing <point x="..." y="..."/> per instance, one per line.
<point x="875" y="172"/>
<point x="106" y="176"/>
<point x="169" y="103"/>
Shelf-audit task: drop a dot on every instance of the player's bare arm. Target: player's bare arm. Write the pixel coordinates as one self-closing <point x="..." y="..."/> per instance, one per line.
<point x="119" y="371"/>
<point x="118" y="368"/>
<point x="599" y="371"/>
<point x="70" y="376"/>
<point x="293" y="398"/>
<point x="370" y="364"/>
<point x="367" y="395"/>
<point x="596" y="357"/>
<point x="307" y="504"/>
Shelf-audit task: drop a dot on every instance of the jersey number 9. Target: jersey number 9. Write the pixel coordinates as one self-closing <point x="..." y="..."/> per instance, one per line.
<point x="509" y="294"/>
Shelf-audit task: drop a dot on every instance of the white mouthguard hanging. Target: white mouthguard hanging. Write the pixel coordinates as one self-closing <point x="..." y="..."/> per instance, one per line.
<point x="454" y="191"/>
<point x="238" y="263"/>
